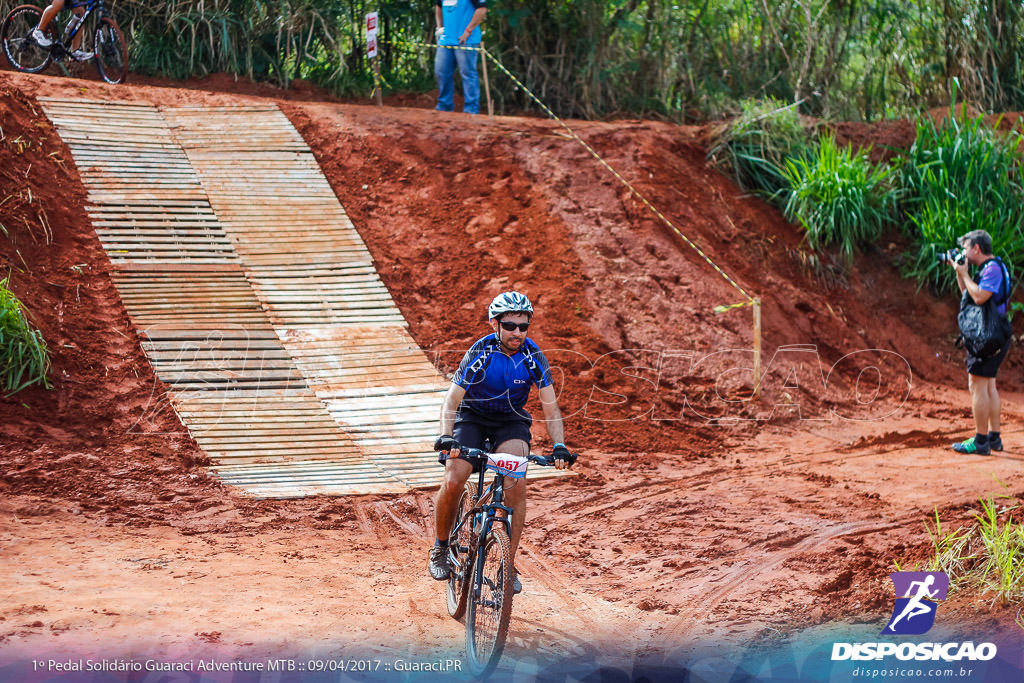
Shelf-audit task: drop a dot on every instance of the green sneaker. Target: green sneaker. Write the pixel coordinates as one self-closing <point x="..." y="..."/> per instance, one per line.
<point x="971" y="448"/>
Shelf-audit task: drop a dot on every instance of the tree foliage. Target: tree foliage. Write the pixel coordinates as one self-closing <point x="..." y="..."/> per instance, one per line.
<point x="959" y="176"/>
<point x="694" y="59"/>
<point x="682" y="59"/>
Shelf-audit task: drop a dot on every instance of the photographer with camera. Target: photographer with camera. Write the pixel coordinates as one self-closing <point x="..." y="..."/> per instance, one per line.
<point x="993" y="281"/>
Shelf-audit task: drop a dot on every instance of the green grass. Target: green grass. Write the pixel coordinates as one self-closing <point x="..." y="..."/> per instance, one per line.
<point x="960" y="176"/>
<point x="756" y="145"/>
<point x="839" y="197"/>
<point x="24" y="360"/>
<point x="987" y="555"/>
<point x="321" y="41"/>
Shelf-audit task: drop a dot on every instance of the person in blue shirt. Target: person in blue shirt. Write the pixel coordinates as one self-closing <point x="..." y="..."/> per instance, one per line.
<point x="486" y="399"/>
<point x="458" y="25"/>
<point x="993" y="280"/>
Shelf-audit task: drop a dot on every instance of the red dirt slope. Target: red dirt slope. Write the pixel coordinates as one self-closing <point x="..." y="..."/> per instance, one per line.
<point x="682" y="526"/>
<point x="455" y="208"/>
<point x="86" y="440"/>
<point x="104" y="441"/>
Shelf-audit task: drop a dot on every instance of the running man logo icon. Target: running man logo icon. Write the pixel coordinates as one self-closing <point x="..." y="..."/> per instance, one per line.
<point x="917" y="595"/>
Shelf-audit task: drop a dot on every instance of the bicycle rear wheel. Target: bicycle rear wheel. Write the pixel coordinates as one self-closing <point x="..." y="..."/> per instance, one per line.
<point x="24" y="53"/>
<point x="488" y="614"/>
<point x="460" y="556"/>
<point x="111" y="51"/>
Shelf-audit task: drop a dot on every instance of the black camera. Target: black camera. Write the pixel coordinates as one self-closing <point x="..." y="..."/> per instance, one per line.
<point x="952" y="256"/>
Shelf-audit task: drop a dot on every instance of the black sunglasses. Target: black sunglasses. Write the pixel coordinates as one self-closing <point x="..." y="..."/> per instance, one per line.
<point x="509" y="326"/>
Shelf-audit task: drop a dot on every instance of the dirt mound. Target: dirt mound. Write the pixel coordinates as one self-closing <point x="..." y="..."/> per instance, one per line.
<point x="104" y="439"/>
<point x="455" y="209"/>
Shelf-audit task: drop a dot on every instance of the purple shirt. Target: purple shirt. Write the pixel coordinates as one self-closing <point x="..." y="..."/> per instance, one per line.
<point x="992" y="280"/>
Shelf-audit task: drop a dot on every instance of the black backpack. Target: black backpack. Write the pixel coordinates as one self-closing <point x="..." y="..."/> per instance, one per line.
<point x="983" y="330"/>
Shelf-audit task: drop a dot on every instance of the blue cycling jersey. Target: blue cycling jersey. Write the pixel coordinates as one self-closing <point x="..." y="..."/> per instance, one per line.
<point x="499" y="384"/>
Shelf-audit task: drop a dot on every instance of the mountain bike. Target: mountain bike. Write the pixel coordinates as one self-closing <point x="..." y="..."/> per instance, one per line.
<point x="26" y="55"/>
<point x="480" y="557"/>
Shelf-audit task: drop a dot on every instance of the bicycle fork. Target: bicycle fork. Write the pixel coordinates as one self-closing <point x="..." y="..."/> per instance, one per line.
<point x="488" y="522"/>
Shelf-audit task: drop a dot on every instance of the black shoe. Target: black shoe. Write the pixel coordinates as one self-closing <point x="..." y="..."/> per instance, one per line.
<point x="438" y="563"/>
<point x="517" y="586"/>
<point x="995" y="443"/>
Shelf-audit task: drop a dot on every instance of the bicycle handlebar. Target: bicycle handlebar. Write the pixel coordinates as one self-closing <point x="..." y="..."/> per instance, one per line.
<point x="542" y="460"/>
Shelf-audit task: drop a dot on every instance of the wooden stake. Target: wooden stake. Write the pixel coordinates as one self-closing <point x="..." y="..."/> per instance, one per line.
<point x="757" y="348"/>
<point x="487" y="85"/>
<point x="378" y="90"/>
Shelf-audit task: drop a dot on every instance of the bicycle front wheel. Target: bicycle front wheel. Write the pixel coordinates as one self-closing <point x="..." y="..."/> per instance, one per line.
<point x="21" y="50"/>
<point x="460" y="556"/>
<point x="111" y="51"/>
<point x="488" y="613"/>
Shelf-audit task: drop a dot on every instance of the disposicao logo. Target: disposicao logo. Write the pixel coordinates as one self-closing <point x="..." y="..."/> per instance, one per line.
<point x="917" y="597"/>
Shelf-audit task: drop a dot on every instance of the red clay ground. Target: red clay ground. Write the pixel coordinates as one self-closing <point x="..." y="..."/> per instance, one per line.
<point x="701" y="514"/>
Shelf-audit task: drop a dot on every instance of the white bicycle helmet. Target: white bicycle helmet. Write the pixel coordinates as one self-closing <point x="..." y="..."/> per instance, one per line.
<point x="509" y="302"/>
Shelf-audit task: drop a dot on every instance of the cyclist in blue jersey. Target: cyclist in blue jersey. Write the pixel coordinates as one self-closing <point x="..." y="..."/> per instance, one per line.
<point x="486" y="399"/>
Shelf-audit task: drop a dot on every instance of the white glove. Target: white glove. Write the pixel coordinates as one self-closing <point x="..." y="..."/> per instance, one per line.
<point x="438" y="32"/>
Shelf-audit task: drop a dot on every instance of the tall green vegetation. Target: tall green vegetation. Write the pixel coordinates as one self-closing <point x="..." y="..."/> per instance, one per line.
<point x="683" y="59"/>
<point x="694" y="59"/>
<point x="24" y="360"/>
<point x="961" y="175"/>
<point x="755" y="146"/>
<point x="322" y="41"/>
<point x="839" y="197"/>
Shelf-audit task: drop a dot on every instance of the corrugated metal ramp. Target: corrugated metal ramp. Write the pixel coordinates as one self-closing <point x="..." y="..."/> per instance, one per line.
<point x="256" y="299"/>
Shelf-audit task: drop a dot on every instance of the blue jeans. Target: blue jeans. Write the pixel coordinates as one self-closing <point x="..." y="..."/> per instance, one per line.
<point x="444" y="70"/>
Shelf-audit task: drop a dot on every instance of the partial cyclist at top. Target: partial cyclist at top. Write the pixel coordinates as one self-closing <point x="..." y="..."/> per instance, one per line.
<point x="486" y="400"/>
<point x="78" y="9"/>
<point x="31" y="41"/>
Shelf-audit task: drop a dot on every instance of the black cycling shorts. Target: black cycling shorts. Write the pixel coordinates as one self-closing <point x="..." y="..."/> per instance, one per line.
<point x="472" y="429"/>
<point x="987" y="367"/>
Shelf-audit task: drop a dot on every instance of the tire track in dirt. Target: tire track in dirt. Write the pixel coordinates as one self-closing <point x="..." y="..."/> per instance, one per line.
<point x="640" y="514"/>
<point x="784" y="465"/>
<point x="746" y="572"/>
<point x="552" y="605"/>
<point x="402" y="527"/>
<point x="673" y="486"/>
<point x="546" y="591"/>
<point x="551" y="578"/>
<point x="402" y="563"/>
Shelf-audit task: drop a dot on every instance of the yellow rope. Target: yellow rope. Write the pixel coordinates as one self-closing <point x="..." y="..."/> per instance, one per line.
<point x="377" y="78"/>
<point x="727" y="307"/>
<point x="633" y="190"/>
<point x="406" y="43"/>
